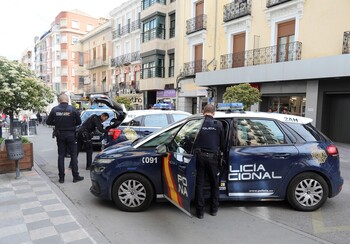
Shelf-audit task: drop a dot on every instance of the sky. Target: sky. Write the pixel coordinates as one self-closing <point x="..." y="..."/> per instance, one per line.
<point x="22" y="20"/>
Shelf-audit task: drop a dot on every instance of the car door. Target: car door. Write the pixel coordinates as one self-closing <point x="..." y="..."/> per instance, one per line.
<point x="179" y="166"/>
<point x="260" y="157"/>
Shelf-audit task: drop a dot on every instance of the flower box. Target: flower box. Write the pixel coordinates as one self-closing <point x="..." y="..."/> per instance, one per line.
<point x="26" y="163"/>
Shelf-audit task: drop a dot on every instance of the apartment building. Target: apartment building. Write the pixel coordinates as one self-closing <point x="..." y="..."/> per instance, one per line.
<point x="296" y="52"/>
<point x="158" y="40"/>
<point x="126" y="61"/>
<point x="27" y="58"/>
<point x="54" y="55"/>
<point x="93" y="73"/>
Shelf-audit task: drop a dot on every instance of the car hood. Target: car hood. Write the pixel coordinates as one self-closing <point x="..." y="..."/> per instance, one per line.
<point x="118" y="108"/>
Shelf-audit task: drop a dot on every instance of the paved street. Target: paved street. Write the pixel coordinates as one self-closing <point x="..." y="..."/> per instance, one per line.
<point x="36" y="209"/>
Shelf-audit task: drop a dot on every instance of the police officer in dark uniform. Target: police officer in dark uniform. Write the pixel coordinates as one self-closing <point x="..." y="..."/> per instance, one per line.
<point x="65" y="118"/>
<point x="209" y="145"/>
<point x="85" y="131"/>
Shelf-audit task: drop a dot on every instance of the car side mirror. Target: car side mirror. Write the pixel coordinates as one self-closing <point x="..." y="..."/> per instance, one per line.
<point x="162" y="149"/>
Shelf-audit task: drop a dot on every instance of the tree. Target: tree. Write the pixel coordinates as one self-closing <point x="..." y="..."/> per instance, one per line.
<point x="21" y="90"/>
<point x="124" y="100"/>
<point x="243" y="93"/>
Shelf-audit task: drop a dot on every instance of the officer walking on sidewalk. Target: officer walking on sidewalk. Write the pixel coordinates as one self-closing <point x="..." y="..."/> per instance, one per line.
<point x="65" y="118"/>
<point x="210" y="143"/>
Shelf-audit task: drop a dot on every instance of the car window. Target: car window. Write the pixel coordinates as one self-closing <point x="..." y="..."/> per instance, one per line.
<point x="156" y="120"/>
<point x="178" y="117"/>
<point x="307" y="131"/>
<point x="185" y="138"/>
<point x="165" y="138"/>
<point x="255" y="132"/>
<point x="87" y="113"/>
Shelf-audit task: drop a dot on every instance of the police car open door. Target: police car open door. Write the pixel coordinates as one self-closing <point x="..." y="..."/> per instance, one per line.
<point x="179" y="167"/>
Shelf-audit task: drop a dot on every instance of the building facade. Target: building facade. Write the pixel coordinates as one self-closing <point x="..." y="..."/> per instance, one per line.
<point x="296" y="52"/>
<point x="54" y="51"/>
<point x="157" y="51"/>
<point x="126" y="61"/>
<point x="27" y="58"/>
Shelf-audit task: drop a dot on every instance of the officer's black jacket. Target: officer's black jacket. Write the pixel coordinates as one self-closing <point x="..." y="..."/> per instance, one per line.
<point x="211" y="136"/>
<point x="92" y="123"/>
<point x="64" y="117"/>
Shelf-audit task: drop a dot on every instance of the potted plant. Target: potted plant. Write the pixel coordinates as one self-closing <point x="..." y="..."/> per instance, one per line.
<point x="7" y="165"/>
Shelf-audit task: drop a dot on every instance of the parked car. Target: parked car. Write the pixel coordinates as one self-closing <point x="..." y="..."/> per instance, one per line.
<point x="140" y="123"/>
<point x="103" y="104"/>
<point x="268" y="156"/>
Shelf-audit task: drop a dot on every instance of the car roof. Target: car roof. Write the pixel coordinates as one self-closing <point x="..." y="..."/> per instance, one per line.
<point x="136" y="113"/>
<point x="281" y="117"/>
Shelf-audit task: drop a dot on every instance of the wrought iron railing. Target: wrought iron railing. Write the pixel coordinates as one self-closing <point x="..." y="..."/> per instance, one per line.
<point x="148" y="3"/>
<point x="191" y="68"/>
<point x="153" y="72"/>
<point x="237" y="9"/>
<point x="94" y="63"/>
<point x="154" y="33"/>
<point x="125" y="59"/>
<point x="271" y="3"/>
<point x="346" y="42"/>
<point x="265" y="55"/>
<point x="135" y="25"/>
<point x="196" y="24"/>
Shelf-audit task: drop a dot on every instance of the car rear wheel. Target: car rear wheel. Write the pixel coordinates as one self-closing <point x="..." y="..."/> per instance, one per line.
<point x="133" y="193"/>
<point x="307" y="192"/>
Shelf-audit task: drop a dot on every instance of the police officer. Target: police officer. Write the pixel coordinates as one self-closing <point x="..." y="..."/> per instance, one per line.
<point x="65" y="118"/>
<point x="209" y="145"/>
<point x="85" y="134"/>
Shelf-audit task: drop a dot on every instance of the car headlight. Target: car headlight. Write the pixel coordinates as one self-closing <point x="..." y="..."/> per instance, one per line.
<point x="104" y="160"/>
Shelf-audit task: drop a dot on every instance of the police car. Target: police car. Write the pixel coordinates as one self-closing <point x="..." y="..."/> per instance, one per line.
<point x="268" y="156"/>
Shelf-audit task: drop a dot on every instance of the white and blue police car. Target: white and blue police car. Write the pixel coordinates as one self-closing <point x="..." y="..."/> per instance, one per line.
<point x="268" y="156"/>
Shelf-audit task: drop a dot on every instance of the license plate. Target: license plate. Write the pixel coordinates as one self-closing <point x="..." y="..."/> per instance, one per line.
<point x="95" y="138"/>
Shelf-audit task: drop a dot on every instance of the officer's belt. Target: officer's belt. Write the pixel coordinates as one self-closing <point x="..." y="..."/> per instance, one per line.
<point x="207" y="154"/>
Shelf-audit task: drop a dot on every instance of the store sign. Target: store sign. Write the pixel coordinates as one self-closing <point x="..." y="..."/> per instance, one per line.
<point x="166" y="93"/>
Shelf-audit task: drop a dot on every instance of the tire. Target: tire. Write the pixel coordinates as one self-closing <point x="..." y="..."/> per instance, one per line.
<point x="132" y="193"/>
<point x="307" y="192"/>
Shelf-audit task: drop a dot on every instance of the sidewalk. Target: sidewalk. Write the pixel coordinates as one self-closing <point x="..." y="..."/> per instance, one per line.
<point x="34" y="210"/>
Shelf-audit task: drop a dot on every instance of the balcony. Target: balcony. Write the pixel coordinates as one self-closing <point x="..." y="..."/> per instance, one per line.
<point x="346" y="42"/>
<point x="153" y="72"/>
<point x="135" y="25"/>
<point x="196" y="24"/>
<point x="125" y="59"/>
<point x="94" y="63"/>
<point x="237" y="10"/>
<point x="191" y="68"/>
<point x="272" y="3"/>
<point x="265" y="55"/>
<point x="152" y="34"/>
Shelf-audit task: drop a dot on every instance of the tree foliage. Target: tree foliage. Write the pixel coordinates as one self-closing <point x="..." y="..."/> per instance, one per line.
<point x="21" y="90"/>
<point x="243" y="93"/>
<point x="124" y="100"/>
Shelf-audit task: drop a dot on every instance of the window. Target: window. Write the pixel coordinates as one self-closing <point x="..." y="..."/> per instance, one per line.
<point x="153" y="66"/>
<point x="257" y="132"/>
<point x="75" y="39"/>
<point x="172" y="26"/>
<point x="73" y="55"/>
<point x="89" y="27"/>
<point x="154" y="28"/>
<point x="81" y="59"/>
<point x="63" y="22"/>
<point x="75" y="24"/>
<point x="63" y="38"/>
<point x="156" y="120"/>
<point x="171" y="65"/>
<point x="64" y="55"/>
<point x="57" y="39"/>
<point x="184" y="140"/>
<point x="73" y="71"/>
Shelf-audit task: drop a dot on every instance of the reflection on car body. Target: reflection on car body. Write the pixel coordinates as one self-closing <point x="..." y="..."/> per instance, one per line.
<point x="268" y="157"/>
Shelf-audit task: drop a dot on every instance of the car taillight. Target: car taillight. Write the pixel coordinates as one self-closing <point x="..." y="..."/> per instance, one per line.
<point x="332" y="150"/>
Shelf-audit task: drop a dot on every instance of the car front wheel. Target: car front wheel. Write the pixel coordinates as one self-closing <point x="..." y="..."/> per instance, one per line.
<point x="307" y="192"/>
<point x="133" y="193"/>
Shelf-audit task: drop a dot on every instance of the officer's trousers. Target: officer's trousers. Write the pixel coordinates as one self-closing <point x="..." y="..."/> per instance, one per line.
<point x="66" y="139"/>
<point x="207" y="165"/>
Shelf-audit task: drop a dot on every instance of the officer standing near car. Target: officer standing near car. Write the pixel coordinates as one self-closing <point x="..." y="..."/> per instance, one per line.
<point x="85" y="131"/>
<point x="65" y="118"/>
<point x="209" y="145"/>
